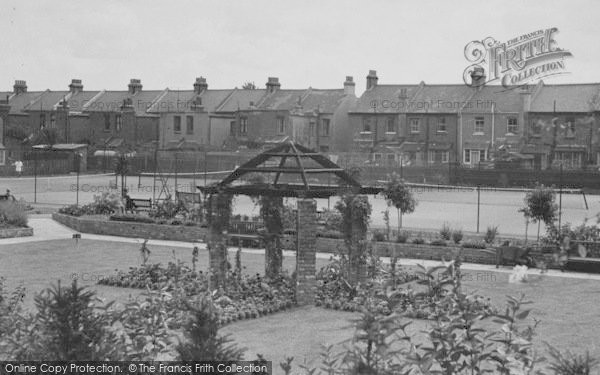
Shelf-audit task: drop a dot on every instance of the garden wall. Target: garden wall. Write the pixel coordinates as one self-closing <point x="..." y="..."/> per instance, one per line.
<point x="429" y="235"/>
<point x="132" y="229"/>
<point x="16" y="232"/>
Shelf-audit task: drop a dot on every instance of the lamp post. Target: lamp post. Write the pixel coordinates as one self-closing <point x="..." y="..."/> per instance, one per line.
<point x="78" y="157"/>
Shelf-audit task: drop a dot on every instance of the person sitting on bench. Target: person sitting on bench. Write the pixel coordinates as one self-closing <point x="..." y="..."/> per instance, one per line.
<point x="128" y="202"/>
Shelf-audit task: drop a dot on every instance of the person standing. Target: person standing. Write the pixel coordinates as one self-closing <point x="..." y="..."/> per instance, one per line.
<point x="18" y="167"/>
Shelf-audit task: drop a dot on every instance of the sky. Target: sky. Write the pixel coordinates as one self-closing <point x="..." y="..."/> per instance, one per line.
<point x="308" y="43"/>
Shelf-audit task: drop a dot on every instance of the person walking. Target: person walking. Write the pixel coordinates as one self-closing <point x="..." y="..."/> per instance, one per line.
<point x="18" y="167"/>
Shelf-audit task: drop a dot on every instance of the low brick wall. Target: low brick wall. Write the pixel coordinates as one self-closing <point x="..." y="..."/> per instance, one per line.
<point x="16" y="232"/>
<point x="131" y="229"/>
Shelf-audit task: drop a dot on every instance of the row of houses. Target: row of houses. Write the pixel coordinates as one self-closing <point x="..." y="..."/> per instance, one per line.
<point x="537" y="126"/>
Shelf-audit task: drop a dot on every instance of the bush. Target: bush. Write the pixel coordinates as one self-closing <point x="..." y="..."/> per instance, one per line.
<point x="401" y="238"/>
<point x="474" y="245"/>
<point x="330" y="234"/>
<point x="457" y="236"/>
<point x="418" y="241"/>
<point x="445" y="232"/>
<point x="490" y="235"/>
<point x="571" y="364"/>
<point x="378" y="236"/>
<point x="12" y="214"/>
<point x="438" y="242"/>
<point x="132" y="218"/>
<point x="105" y="204"/>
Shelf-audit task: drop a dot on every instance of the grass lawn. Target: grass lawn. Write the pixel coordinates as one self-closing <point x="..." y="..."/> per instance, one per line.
<point x="568" y="308"/>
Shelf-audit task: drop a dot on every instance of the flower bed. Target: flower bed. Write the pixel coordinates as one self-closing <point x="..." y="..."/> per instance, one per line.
<point x="245" y="296"/>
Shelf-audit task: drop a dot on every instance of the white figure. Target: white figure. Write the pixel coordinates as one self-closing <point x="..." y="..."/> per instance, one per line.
<point x="518" y="275"/>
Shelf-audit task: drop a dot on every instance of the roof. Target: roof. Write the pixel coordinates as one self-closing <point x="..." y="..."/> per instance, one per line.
<point x="326" y="101"/>
<point x="5" y="94"/>
<point x="46" y="101"/>
<point x="77" y="100"/>
<point x="496" y="98"/>
<point x="384" y="99"/>
<point x="111" y="101"/>
<point x="439" y="99"/>
<point x="581" y="97"/>
<point x="241" y="99"/>
<point x="18" y="103"/>
<point x="282" y="100"/>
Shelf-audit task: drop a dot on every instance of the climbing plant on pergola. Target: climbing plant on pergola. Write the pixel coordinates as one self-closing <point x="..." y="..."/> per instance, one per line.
<point x="291" y="170"/>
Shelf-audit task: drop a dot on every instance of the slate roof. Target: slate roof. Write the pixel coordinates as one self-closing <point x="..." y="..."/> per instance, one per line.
<point x="439" y="99"/>
<point x="581" y="97"/>
<point x="46" y="101"/>
<point x="282" y="100"/>
<point x="111" y="101"/>
<point x="503" y="100"/>
<point x="372" y="100"/>
<point x="240" y="99"/>
<point x="182" y="100"/>
<point x="18" y="103"/>
<point x="79" y="99"/>
<point x="326" y="101"/>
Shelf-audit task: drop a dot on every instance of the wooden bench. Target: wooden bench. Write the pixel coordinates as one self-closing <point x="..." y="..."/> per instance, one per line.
<point x="245" y="233"/>
<point x="189" y="198"/>
<point x="139" y="204"/>
<point x="243" y="240"/>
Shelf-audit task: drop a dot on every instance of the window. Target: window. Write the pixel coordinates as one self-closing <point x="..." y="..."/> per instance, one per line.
<point x="441" y="125"/>
<point x="377" y="157"/>
<point x="415" y="125"/>
<point x="280" y="125"/>
<point x="536" y="127"/>
<point x="390" y="126"/>
<point x="431" y="156"/>
<point x="177" y="124"/>
<point x="189" y="125"/>
<point x="570" y="127"/>
<point x="42" y="121"/>
<point x="325" y="128"/>
<point x="445" y="156"/>
<point x="119" y="122"/>
<point x="243" y="125"/>
<point x="312" y="129"/>
<point x="366" y="125"/>
<point x="2" y="157"/>
<point x="53" y="120"/>
<point x="512" y="125"/>
<point x="391" y="158"/>
<point x="479" y="125"/>
<point x="107" y="122"/>
<point x="473" y="156"/>
<point x="232" y="128"/>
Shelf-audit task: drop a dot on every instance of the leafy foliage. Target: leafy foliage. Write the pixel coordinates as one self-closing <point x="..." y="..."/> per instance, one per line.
<point x="398" y="194"/>
<point x="490" y="235"/>
<point x="446" y="232"/>
<point x="457" y="236"/>
<point x="13" y="214"/>
<point x="540" y="204"/>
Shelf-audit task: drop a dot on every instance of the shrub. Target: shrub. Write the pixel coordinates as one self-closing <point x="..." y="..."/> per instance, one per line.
<point x="378" y="236"/>
<point x="105" y="204"/>
<point x="457" y="236"/>
<point x="330" y="234"/>
<point x="438" y="242"/>
<point x="12" y="214"/>
<point x="445" y="232"/>
<point x="490" y="235"/>
<point x="401" y="238"/>
<point x="133" y="218"/>
<point x="571" y="364"/>
<point x="474" y="245"/>
<point x="418" y="241"/>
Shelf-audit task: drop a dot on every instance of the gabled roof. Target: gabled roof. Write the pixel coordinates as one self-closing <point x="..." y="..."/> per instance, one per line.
<point x="580" y="97"/>
<point x="241" y="99"/>
<point x="282" y="100"/>
<point x="503" y="100"/>
<point x="177" y="101"/>
<point x="112" y="101"/>
<point x="18" y="103"/>
<point x="46" y="101"/>
<point x="4" y="95"/>
<point x="439" y="99"/>
<point x="77" y="100"/>
<point x="374" y="100"/>
<point x="326" y="101"/>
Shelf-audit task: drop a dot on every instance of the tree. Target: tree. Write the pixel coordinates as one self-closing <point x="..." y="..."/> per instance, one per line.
<point x="121" y="169"/>
<point x="355" y="213"/>
<point x="249" y="86"/>
<point x="398" y="194"/>
<point x="540" y="206"/>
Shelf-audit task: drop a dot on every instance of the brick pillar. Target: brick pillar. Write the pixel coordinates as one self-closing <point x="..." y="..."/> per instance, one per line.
<point x="219" y="215"/>
<point x="306" y="252"/>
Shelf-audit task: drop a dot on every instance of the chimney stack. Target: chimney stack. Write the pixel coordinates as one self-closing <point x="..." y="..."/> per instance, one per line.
<point x="403" y="94"/>
<point x="20" y="87"/>
<point x="200" y="85"/>
<point x="372" y="79"/>
<point x="349" y="86"/>
<point x="478" y="77"/>
<point x="526" y="97"/>
<point x="75" y="86"/>
<point x="135" y="86"/>
<point x="273" y="84"/>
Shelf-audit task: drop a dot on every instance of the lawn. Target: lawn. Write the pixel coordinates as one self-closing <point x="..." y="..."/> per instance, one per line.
<point x="567" y="307"/>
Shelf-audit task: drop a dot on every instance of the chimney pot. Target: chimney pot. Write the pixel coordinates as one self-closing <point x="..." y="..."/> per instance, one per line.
<point x="273" y="84"/>
<point x="135" y="86"/>
<point x="372" y="79"/>
<point x="349" y="86"/>
<point x="75" y="86"/>
<point x="20" y="87"/>
<point x="478" y="77"/>
<point x="200" y="85"/>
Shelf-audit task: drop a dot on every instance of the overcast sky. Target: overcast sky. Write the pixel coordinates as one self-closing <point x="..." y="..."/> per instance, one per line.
<point x="304" y="43"/>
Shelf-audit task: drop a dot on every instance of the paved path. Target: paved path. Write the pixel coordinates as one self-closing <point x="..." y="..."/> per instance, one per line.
<point x="46" y="229"/>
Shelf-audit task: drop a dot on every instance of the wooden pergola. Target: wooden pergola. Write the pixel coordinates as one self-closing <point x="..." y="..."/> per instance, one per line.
<point x="293" y="160"/>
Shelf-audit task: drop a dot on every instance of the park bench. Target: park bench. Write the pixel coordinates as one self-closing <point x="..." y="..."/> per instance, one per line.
<point x="190" y="199"/>
<point x="139" y="204"/>
<point x="579" y="256"/>
<point x="245" y="233"/>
